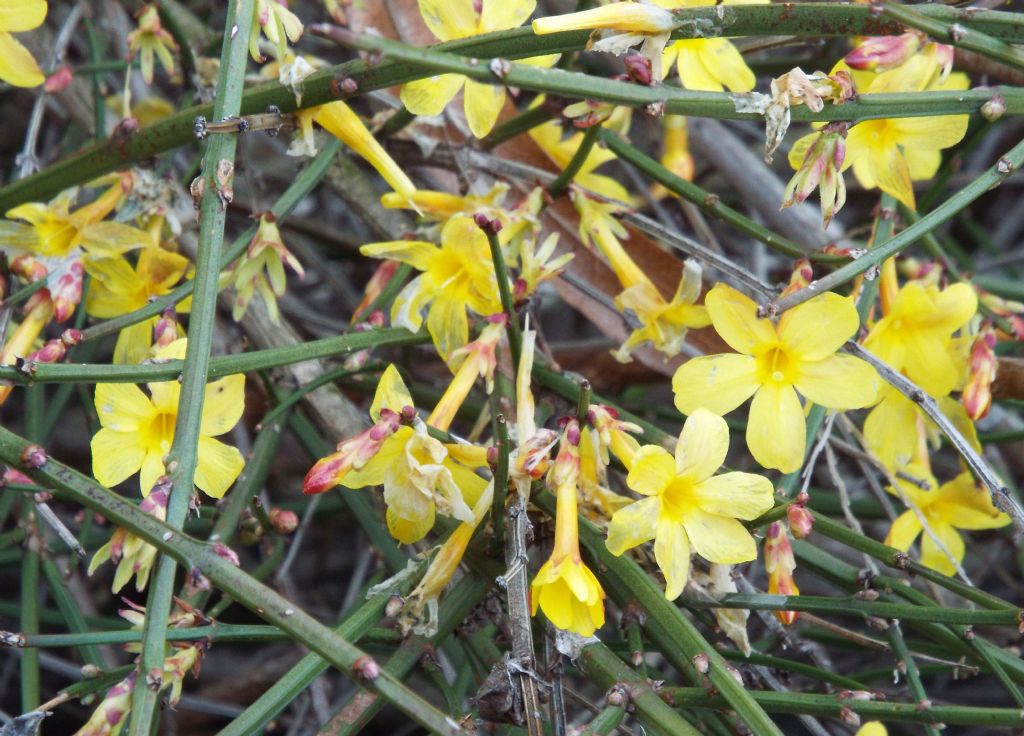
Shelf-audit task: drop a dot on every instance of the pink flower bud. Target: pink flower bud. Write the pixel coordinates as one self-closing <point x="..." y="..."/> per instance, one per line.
<point x="283" y="521"/>
<point x="977" y="394"/>
<point x="59" y="80"/>
<point x="880" y="53"/>
<point x="67" y="291"/>
<point x="801" y="520"/>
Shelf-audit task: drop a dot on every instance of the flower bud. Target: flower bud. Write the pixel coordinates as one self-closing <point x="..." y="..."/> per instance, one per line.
<point x="994" y="108"/>
<point x="801" y="520"/>
<point x="880" y="53"/>
<point x="977" y="394"/>
<point x="779" y="564"/>
<point x="822" y="169"/>
<point x="352" y="454"/>
<point x="283" y="521"/>
<point x="66" y="290"/>
<point x="59" y="80"/>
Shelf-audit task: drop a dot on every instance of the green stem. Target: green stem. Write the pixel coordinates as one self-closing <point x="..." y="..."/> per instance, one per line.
<point x="956" y="34"/>
<point x="500" y="482"/>
<point x="815" y="19"/>
<point x="989" y="179"/>
<point x="909" y="666"/>
<point x="521" y="123"/>
<point x="665" y="624"/>
<point x="606" y="670"/>
<point x="830" y="706"/>
<point x="708" y="202"/>
<point x="224" y="365"/>
<point x="259" y="598"/>
<point x="515" y="336"/>
<point x="563" y="180"/>
<point x="295" y="193"/>
<point x="71" y="612"/>
<point x="217" y="176"/>
<point x="29" y="621"/>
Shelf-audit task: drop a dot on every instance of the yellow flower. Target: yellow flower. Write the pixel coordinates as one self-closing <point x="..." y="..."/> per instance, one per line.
<point x="958" y="504"/>
<point x="442" y="206"/>
<point x="118" y="289"/>
<point x="133" y="557"/>
<point x="452" y="19"/>
<point x="59" y="232"/>
<point x="456" y="276"/>
<point x="150" y="39"/>
<point x="17" y="67"/>
<point x="548" y="138"/>
<point x="623" y="25"/>
<point x="872" y="728"/>
<point x="687" y="505"/>
<point x="419" y="476"/>
<point x="137" y="430"/>
<point x="277" y="23"/>
<point x="565" y="588"/>
<point x="675" y="155"/>
<point x="663" y="324"/>
<point x="897" y="430"/>
<point x="916" y="333"/>
<point x="709" y="64"/>
<point x="891" y="153"/>
<point x="261" y="270"/>
<point x="774" y="362"/>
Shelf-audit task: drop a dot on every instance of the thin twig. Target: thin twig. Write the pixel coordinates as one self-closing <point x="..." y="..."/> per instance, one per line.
<point x="1001" y="497"/>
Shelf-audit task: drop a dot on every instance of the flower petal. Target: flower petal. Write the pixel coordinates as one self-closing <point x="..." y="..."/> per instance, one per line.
<point x="672" y="553"/>
<point x="122" y="406"/>
<point x="116" y="456"/>
<point x="923" y="163"/>
<point x="719" y="539"/>
<point x="891" y="174"/>
<point x="734" y="316"/>
<point x="500" y="15"/>
<point x="839" y="382"/>
<point x="223" y="404"/>
<point x="776" y="429"/>
<point x="429" y="96"/>
<point x="152" y="469"/>
<point x="449" y="19"/>
<point x="891" y="429"/>
<point x="448" y="325"/>
<point x="702" y="446"/>
<point x="740" y="495"/>
<point x="904" y="531"/>
<point x="718" y="383"/>
<point x="930" y="133"/>
<point x="633" y="525"/>
<point x="818" y="327"/>
<point x="375" y="470"/>
<point x="391" y="393"/>
<point x="22" y="15"/>
<point x="17" y="65"/>
<point x="967" y="506"/>
<point x="653" y="469"/>
<point x="409" y="531"/>
<point x="217" y="467"/>
<point x="935" y="558"/>
<point x="416" y="253"/>
<point x="483" y="103"/>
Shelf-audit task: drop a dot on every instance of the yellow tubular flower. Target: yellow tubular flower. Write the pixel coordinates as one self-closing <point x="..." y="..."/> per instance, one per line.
<point x="548" y="138"/>
<point x="565" y="588"/>
<point x="59" y="232"/>
<point x="150" y="39"/>
<point x="17" y="67"/>
<point x="137" y="430"/>
<point x="338" y="119"/>
<point x="663" y="324"/>
<point x="452" y="19"/>
<point x="958" y="504"/>
<point x="890" y="154"/>
<point x="117" y="289"/>
<point x="916" y="334"/>
<point x="20" y="342"/>
<point x="419" y="475"/>
<point x="708" y="64"/>
<point x="772" y="364"/>
<point x="456" y="276"/>
<point x="687" y="505"/>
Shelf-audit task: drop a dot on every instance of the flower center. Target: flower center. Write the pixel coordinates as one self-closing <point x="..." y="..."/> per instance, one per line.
<point x="775" y="366"/>
<point x="448" y="272"/>
<point x="160" y="433"/>
<point x="677" y="498"/>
